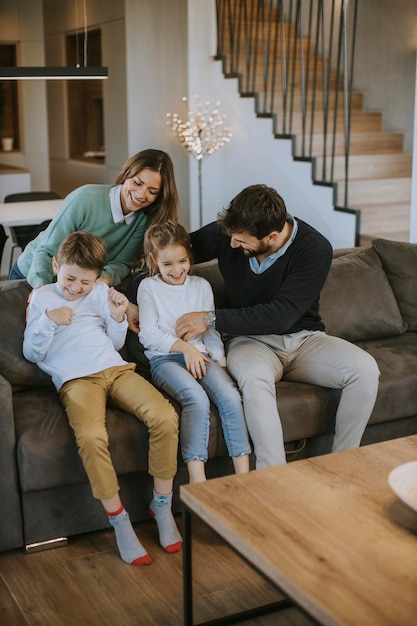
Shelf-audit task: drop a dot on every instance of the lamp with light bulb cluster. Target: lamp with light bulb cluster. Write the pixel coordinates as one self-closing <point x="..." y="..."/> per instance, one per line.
<point x="202" y="134"/>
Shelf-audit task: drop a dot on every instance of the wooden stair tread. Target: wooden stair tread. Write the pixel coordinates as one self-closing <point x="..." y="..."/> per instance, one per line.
<point x="376" y="166"/>
<point x="366" y="240"/>
<point x="369" y="143"/>
<point x="377" y="190"/>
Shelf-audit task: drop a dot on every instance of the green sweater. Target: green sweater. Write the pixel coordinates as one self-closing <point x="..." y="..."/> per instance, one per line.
<point x="86" y="208"/>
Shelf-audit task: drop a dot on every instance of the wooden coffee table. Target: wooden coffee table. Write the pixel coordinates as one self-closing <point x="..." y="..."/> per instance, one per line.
<point x="327" y="531"/>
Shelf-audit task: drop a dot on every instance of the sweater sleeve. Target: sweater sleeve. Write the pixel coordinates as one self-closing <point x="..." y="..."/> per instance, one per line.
<point x="208" y="242"/>
<point x="212" y="338"/>
<point x="39" y="332"/>
<point x="66" y="221"/>
<point x="151" y="335"/>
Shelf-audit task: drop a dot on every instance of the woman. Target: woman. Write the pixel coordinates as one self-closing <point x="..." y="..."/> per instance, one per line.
<point x="144" y="193"/>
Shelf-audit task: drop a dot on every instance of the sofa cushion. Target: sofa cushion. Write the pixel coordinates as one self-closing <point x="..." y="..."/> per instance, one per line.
<point x="397" y="361"/>
<point x="210" y="271"/>
<point x="47" y="453"/>
<point x="21" y="374"/>
<point x="399" y="260"/>
<point x="357" y="302"/>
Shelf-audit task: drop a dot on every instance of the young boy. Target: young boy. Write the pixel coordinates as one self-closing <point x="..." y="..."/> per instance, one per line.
<point x="74" y="330"/>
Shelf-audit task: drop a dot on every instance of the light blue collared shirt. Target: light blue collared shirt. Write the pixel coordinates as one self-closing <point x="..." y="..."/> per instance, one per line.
<point x="116" y="207"/>
<point x="258" y="268"/>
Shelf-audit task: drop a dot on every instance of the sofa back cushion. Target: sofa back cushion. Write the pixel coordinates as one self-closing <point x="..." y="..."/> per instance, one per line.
<point x="13" y="366"/>
<point x="357" y="302"/>
<point x="399" y="260"/>
<point x="210" y="271"/>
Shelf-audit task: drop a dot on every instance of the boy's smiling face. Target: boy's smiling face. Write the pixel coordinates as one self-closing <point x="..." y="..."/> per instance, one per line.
<point x="74" y="281"/>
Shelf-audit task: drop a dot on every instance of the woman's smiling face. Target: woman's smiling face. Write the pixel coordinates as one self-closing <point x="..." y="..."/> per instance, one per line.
<point x="140" y="191"/>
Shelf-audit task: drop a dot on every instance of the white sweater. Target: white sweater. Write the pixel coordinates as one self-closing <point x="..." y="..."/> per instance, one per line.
<point x="160" y="305"/>
<point x="89" y="345"/>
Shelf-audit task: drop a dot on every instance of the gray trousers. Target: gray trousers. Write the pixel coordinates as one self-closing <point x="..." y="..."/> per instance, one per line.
<point x="257" y="362"/>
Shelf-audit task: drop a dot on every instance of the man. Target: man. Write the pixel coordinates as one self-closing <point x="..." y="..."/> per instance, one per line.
<point x="274" y="267"/>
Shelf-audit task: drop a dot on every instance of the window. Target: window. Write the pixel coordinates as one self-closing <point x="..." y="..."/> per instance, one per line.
<point x="9" y="110"/>
<point x="85" y="100"/>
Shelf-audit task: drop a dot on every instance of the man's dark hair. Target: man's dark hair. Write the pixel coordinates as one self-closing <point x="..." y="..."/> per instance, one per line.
<point x="257" y="209"/>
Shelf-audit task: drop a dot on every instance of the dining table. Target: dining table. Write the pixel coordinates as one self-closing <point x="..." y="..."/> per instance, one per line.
<point x="14" y="214"/>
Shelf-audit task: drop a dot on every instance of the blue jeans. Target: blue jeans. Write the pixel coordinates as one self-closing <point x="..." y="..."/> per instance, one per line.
<point x="170" y="374"/>
<point x="15" y="273"/>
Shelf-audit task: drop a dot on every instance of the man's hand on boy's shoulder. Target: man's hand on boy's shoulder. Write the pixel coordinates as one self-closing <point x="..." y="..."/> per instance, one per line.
<point x="117" y="304"/>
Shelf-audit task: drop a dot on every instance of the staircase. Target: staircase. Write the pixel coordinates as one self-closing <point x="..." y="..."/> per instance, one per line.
<point x="299" y="70"/>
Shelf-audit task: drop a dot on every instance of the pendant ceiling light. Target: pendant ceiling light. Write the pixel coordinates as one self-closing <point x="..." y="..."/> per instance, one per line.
<point x="53" y="73"/>
<point x="56" y="72"/>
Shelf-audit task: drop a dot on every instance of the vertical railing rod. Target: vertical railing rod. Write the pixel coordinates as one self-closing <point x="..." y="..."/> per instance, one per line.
<point x="293" y="61"/>
<point x="246" y="43"/>
<point x="269" y="45"/>
<point x="339" y="54"/>
<point x="228" y="21"/>
<point x="315" y="72"/>
<point x="264" y="49"/>
<point x="305" y="106"/>
<point x="275" y="53"/>
<point x="234" y="26"/>
<point x="219" y="26"/>
<point x="329" y="77"/>
<point x="345" y="90"/>
<point x="284" y="78"/>
<point x="254" y="43"/>
<point x="352" y="64"/>
<point x="302" y="79"/>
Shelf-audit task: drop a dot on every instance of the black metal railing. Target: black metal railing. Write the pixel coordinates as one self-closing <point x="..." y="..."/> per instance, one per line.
<point x="296" y="57"/>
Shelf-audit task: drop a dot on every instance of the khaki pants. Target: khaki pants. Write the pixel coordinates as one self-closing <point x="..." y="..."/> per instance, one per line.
<point x="257" y="362"/>
<point x="85" y="400"/>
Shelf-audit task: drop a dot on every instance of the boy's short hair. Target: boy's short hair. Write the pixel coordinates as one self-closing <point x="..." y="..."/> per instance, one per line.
<point x="83" y="249"/>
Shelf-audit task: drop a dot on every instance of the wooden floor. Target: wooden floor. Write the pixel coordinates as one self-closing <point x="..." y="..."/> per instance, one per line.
<point x="86" y="584"/>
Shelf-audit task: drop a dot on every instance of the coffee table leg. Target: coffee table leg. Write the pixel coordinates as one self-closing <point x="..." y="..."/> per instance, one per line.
<point x="188" y="585"/>
<point x="187" y="566"/>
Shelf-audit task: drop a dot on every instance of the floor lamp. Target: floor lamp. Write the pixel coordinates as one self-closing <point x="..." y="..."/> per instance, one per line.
<point x="201" y="134"/>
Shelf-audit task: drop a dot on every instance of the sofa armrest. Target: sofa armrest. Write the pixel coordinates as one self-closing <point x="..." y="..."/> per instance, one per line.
<point x="11" y="533"/>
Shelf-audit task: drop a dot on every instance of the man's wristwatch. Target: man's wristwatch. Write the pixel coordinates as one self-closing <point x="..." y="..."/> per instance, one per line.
<point x="210" y="318"/>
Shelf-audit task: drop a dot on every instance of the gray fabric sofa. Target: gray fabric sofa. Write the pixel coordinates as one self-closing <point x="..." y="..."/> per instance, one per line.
<point x="370" y="298"/>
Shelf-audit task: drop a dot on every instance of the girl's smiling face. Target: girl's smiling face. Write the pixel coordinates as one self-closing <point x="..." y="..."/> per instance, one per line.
<point x="173" y="264"/>
<point x="140" y="191"/>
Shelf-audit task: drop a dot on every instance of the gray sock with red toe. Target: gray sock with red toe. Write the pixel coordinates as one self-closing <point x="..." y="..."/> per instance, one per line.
<point x="130" y="548"/>
<point x="160" y="509"/>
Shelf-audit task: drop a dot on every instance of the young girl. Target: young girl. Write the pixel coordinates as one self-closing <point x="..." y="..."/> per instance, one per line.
<point x="193" y="371"/>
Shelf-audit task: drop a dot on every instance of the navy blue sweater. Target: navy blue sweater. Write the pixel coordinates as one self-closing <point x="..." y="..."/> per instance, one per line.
<point x="283" y="299"/>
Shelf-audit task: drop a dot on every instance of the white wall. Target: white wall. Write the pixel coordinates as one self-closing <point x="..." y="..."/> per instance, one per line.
<point x="22" y="23"/>
<point x="60" y="19"/>
<point x="386" y="61"/>
<point x="413" y="214"/>
<point x="156" y="44"/>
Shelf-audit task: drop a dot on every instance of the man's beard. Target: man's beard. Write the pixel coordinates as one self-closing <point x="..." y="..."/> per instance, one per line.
<point x="262" y="249"/>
